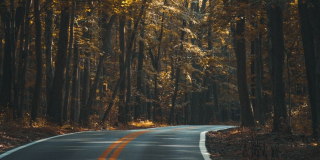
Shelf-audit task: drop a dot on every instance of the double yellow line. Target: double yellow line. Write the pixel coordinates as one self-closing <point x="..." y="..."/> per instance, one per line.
<point x="118" y="145"/>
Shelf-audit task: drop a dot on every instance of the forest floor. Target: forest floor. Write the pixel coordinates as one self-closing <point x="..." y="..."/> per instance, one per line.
<point x="13" y="134"/>
<point x="239" y="143"/>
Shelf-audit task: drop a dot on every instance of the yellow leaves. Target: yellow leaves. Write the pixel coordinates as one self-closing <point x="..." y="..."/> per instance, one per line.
<point x="87" y="10"/>
<point x="189" y="78"/>
<point x="142" y="124"/>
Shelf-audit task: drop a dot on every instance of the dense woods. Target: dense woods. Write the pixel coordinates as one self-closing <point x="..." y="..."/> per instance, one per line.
<point x="110" y="62"/>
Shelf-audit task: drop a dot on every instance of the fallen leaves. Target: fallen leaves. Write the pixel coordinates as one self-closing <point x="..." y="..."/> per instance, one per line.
<point x="248" y="144"/>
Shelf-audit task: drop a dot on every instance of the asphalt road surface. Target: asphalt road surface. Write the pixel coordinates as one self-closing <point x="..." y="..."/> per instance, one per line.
<point x="175" y="142"/>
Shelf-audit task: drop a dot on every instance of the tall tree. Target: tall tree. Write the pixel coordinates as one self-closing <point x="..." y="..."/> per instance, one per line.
<point x="68" y="77"/>
<point x="75" y="105"/>
<point x="48" y="44"/>
<point x="25" y="59"/>
<point x="308" y="41"/>
<point x="22" y="56"/>
<point x="276" y="56"/>
<point x="138" y="106"/>
<point x="38" y="83"/>
<point x="240" y="50"/>
<point x="195" y="76"/>
<point x="59" y="74"/>
<point x="258" y="67"/>
<point x="178" y="70"/>
<point x="121" y="110"/>
<point x="5" y="94"/>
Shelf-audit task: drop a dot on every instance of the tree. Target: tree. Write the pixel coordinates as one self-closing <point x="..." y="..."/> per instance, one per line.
<point x="48" y="44"/>
<point x="308" y="33"/>
<point x="276" y="56"/>
<point x="246" y="112"/>
<point x="38" y="84"/>
<point x="59" y="74"/>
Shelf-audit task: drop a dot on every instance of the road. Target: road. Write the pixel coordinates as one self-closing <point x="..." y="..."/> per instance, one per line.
<point x="174" y="142"/>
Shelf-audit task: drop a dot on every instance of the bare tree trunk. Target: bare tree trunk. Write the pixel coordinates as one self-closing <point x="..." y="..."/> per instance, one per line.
<point x="247" y="116"/>
<point x="75" y="88"/>
<point x="121" y="110"/>
<point x="253" y="81"/>
<point x="100" y="111"/>
<point x="195" y="81"/>
<point x="5" y="94"/>
<point x="58" y="82"/>
<point x="38" y="83"/>
<point x="128" y="77"/>
<point x="20" y="79"/>
<point x="138" y="106"/>
<point x="310" y="61"/>
<point x="25" y="59"/>
<point x="276" y="55"/>
<point x="260" y="111"/>
<point x="49" y="64"/>
<point x="314" y="15"/>
<point x="157" y="111"/>
<point x="1" y="57"/>
<point x="68" y="77"/>
<point x="85" y="88"/>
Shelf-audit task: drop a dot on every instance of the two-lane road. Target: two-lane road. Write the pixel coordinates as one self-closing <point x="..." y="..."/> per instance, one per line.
<point x="176" y="142"/>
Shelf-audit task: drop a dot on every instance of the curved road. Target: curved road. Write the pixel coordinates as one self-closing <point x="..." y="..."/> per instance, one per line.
<point x="175" y="142"/>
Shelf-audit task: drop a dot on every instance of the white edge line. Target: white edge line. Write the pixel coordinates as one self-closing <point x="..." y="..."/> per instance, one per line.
<point x="202" y="142"/>
<point x="202" y="146"/>
<point x="32" y="143"/>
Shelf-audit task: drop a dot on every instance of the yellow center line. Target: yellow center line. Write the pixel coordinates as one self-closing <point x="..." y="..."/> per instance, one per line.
<point x="114" y="145"/>
<point x="182" y="128"/>
<point x="117" y="152"/>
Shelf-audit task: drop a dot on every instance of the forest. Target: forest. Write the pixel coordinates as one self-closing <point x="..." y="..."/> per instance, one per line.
<point x="112" y="62"/>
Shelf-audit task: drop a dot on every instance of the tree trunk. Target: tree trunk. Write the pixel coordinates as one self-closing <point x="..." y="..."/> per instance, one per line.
<point x="215" y="110"/>
<point x="121" y="110"/>
<point x="128" y="95"/>
<point x="85" y="89"/>
<point x="259" y="76"/>
<point x="5" y="94"/>
<point x="195" y="81"/>
<point x="314" y="16"/>
<point x="75" y="106"/>
<point x="48" y="43"/>
<point x="38" y="83"/>
<point x="138" y="106"/>
<point x="58" y="82"/>
<point x="20" y="79"/>
<point x="310" y="62"/>
<point x="1" y="59"/>
<point x="25" y="59"/>
<point x="247" y="116"/>
<point x="157" y="111"/>
<point x="149" y="105"/>
<point x="276" y="55"/>
<point x="68" y="77"/>
<point x="253" y="81"/>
